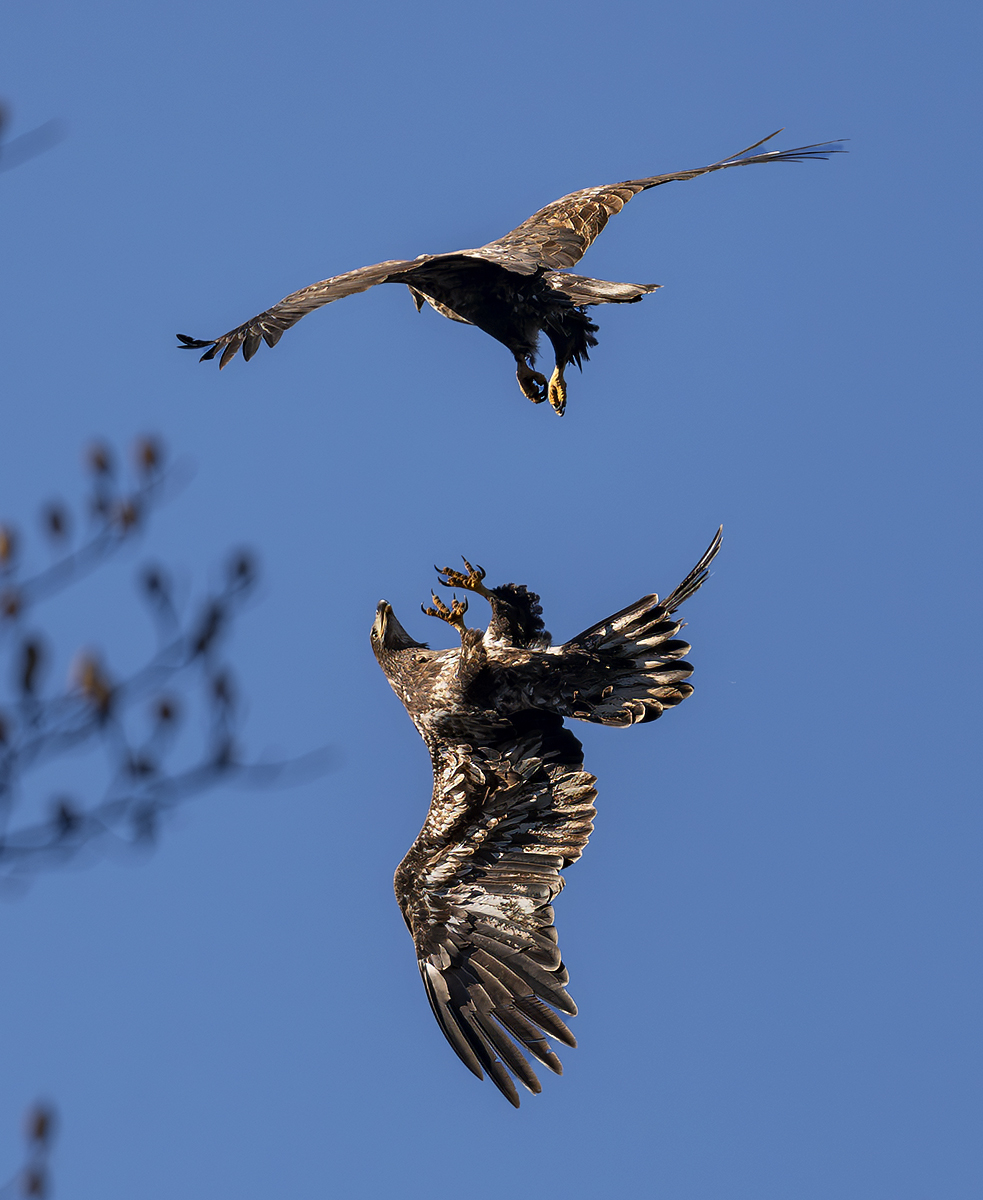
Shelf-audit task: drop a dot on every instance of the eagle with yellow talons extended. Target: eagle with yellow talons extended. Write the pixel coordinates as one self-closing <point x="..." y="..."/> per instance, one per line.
<point x="512" y="804"/>
<point x="513" y="288"/>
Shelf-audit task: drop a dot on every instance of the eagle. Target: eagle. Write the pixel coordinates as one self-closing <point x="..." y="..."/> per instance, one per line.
<point x="512" y="804"/>
<point x="513" y="288"/>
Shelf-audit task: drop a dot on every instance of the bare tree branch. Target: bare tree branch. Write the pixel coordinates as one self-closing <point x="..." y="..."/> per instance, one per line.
<point x="34" y="1178"/>
<point x="134" y="720"/>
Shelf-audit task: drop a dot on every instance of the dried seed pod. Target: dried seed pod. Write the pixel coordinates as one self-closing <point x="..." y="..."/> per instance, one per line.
<point x="8" y="546"/>
<point x="223" y="690"/>
<point x="35" y="1182"/>
<point x="65" y="817"/>
<point x="40" y="1124"/>
<point x="11" y="603"/>
<point x="55" y="520"/>
<point x="126" y="514"/>
<point x="94" y="683"/>
<point x="100" y="459"/>
<point x="242" y="569"/>
<point x="31" y="658"/>
<point x="149" y="454"/>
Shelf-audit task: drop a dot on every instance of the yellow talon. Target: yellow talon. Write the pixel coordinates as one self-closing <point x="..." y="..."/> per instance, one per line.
<point x="531" y="383"/>
<point x="472" y="582"/>
<point x="558" y="392"/>
<point x="453" y="615"/>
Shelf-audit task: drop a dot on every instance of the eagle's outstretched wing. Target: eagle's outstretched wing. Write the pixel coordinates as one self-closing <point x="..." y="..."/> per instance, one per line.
<point x="476" y="890"/>
<point x="270" y="326"/>
<point x="558" y="235"/>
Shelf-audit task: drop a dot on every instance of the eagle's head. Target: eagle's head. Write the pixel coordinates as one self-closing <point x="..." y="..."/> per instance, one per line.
<point x="396" y="651"/>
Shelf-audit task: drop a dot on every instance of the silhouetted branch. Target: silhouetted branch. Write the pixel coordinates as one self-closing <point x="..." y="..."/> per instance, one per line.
<point x="33" y="1178"/>
<point x="14" y="151"/>
<point x="186" y="672"/>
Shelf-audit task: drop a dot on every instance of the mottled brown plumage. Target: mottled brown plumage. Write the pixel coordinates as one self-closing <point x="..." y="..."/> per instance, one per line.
<point x="512" y="288"/>
<point x="512" y="805"/>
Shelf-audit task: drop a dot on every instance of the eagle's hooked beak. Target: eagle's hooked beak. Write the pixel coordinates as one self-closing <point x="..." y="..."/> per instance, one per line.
<point x="387" y="633"/>
<point x="383" y="610"/>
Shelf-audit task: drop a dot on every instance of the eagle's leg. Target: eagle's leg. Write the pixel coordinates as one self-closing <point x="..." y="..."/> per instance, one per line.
<point x="533" y="384"/>
<point x="453" y="615"/>
<point x="572" y="333"/>
<point x="558" y="390"/>
<point x="472" y="582"/>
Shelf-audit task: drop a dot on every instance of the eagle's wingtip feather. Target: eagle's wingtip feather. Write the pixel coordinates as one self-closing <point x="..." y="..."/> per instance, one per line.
<point x="190" y="343"/>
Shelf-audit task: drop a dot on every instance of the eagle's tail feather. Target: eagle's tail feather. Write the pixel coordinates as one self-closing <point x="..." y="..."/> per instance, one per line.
<point x="645" y="673"/>
<point x="581" y="290"/>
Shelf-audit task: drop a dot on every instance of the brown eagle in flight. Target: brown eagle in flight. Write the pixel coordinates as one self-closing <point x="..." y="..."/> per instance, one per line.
<point x="512" y="804"/>
<point x="512" y="288"/>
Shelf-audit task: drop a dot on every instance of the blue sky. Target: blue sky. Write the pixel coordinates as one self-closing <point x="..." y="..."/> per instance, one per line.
<point x="773" y="936"/>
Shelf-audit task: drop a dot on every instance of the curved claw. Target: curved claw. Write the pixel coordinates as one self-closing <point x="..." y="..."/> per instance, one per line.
<point x="532" y="385"/>
<point x="472" y="582"/>
<point x="453" y="615"/>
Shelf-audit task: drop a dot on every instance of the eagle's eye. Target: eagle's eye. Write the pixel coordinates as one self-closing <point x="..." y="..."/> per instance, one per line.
<point x="421" y="658"/>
